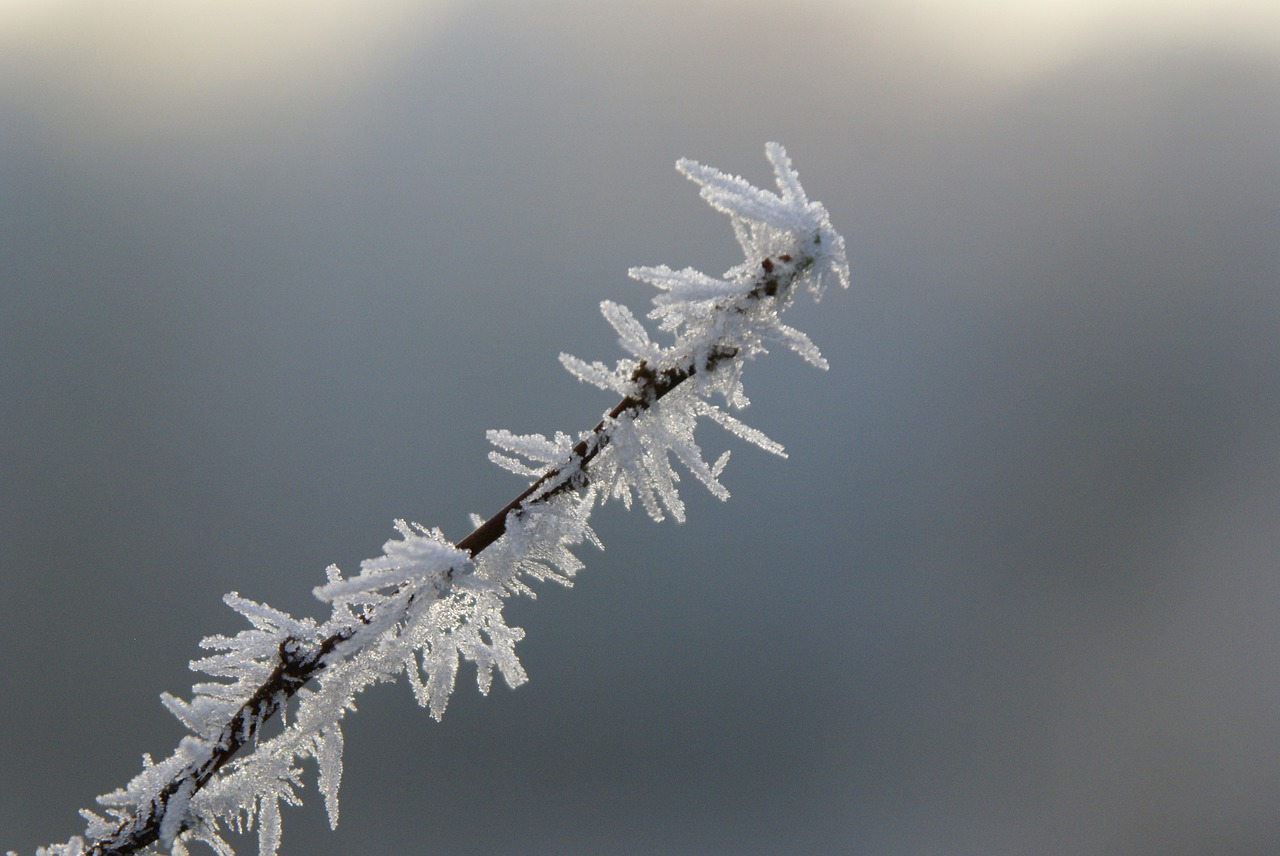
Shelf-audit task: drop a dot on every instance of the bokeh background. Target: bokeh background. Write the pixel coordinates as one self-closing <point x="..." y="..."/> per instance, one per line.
<point x="268" y="270"/>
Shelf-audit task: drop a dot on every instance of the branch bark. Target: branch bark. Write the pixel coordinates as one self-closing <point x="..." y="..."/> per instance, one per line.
<point x="301" y="660"/>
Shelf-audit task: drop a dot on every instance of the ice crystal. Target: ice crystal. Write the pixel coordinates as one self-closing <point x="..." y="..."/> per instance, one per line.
<point x="425" y="604"/>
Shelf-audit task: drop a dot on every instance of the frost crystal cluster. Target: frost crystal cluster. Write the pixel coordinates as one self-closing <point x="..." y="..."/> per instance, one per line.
<point x="426" y="604"/>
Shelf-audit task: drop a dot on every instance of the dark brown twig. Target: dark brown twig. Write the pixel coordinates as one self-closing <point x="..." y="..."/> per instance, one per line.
<point x="301" y="660"/>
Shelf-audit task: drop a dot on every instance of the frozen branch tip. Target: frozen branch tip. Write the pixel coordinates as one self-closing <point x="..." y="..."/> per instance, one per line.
<point x="426" y="604"/>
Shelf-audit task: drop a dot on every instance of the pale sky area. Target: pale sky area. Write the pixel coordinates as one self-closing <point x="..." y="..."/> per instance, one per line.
<point x="269" y="270"/>
<point x="136" y="63"/>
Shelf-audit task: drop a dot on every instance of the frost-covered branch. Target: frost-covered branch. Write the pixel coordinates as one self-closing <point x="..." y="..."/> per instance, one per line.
<point x="425" y="604"/>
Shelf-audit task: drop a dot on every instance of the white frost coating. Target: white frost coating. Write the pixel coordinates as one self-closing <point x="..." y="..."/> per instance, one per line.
<point x="687" y="284"/>
<point x="632" y="336"/>
<point x="175" y="814"/>
<point x="598" y="374"/>
<point x="535" y="447"/>
<point x="74" y="847"/>
<point x="328" y="754"/>
<point x="767" y="224"/>
<point x="422" y="557"/>
<point x="537" y="544"/>
<point x="739" y="428"/>
<point x="424" y="606"/>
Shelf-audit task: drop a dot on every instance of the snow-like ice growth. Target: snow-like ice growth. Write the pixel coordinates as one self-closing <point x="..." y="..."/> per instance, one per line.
<point x="426" y="604"/>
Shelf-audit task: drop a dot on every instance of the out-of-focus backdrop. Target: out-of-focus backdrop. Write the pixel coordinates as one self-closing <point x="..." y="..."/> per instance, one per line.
<point x="269" y="270"/>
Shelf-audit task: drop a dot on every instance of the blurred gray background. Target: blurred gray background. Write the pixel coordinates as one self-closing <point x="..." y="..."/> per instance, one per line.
<point x="269" y="270"/>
